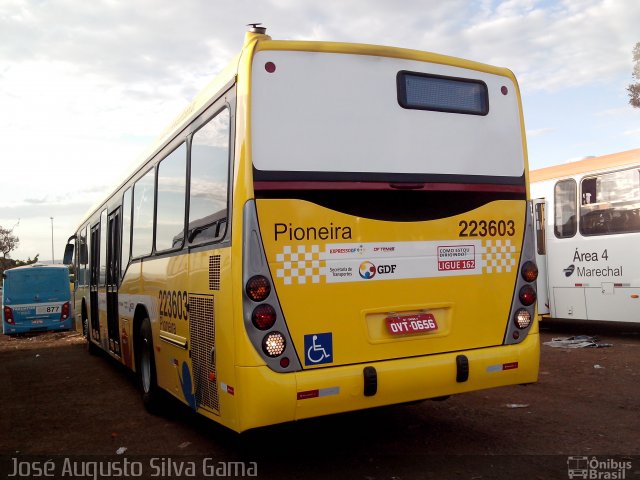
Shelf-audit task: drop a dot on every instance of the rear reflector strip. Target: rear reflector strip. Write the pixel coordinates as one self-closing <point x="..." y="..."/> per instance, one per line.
<point x="320" y="392"/>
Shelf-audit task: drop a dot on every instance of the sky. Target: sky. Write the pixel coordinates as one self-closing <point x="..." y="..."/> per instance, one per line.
<point x="86" y="87"/>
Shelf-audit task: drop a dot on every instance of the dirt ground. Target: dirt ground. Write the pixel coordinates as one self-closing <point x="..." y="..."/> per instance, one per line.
<point x="57" y="401"/>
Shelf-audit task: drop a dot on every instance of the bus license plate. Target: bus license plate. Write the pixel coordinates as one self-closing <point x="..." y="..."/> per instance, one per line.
<point x="411" y="324"/>
<point x="45" y="309"/>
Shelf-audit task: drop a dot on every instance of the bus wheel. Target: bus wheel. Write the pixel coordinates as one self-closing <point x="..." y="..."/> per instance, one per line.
<point x="91" y="347"/>
<point x="85" y="328"/>
<point x="147" y="369"/>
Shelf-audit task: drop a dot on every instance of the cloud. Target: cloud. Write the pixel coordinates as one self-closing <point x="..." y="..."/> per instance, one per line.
<point x="557" y="45"/>
<point x="85" y="87"/>
<point x="151" y="46"/>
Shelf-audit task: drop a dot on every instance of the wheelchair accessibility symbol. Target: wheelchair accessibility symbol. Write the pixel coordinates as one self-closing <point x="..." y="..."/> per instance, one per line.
<point x="318" y="348"/>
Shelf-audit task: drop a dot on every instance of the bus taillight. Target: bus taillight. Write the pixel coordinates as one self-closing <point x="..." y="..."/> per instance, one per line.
<point x="263" y="316"/>
<point x="527" y="295"/>
<point x="529" y="271"/>
<point x="274" y="344"/>
<point x="522" y="319"/>
<point x="66" y="307"/>
<point x="8" y="315"/>
<point x="258" y="288"/>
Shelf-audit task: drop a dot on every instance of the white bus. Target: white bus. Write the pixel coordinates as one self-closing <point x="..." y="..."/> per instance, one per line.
<point x="588" y="238"/>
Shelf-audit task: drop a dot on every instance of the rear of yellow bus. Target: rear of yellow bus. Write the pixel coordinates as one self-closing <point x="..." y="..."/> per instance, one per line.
<point x="388" y="251"/>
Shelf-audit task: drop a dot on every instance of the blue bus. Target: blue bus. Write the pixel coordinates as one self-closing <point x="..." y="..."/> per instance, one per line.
<point x="36" y="298"/>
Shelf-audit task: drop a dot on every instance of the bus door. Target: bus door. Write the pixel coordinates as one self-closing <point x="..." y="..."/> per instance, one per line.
<point x="94" y="278"/>
<point x="113" y="280"/>
<point x="541" y="255"/>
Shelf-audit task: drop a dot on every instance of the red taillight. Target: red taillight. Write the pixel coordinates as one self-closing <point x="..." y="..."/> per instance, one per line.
<point x="8" y="315"/>
<point x="258" y="288"/>
<point x="527" y="295"/>
<point x="529" y="271"/>
<point x="263" y="316"/>
<point x="65" y="311"/>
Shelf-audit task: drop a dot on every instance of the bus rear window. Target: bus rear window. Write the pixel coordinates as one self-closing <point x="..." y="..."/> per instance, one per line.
<point x="41" y="282"/>
<point x="421" y="91"/>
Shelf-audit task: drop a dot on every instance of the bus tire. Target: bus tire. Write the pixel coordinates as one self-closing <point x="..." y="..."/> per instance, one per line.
<point x="147" y="378"/>
<point x="91" y="347"/>
<point x="85" y="328"/>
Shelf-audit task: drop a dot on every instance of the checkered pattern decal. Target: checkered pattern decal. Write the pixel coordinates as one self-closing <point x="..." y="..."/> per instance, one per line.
<point x="498" y="256"/>
<point x="301" y="266"/>
<point x="315" y="264"/>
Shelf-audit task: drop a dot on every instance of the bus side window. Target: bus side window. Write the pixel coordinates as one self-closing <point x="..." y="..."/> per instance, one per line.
<point x="172" y="172"/>
<point x="610" y="203"/>
<point x="126" y="231"/>
<point x="103" y="248"/>
<point x="208" y="191"/>
<point x="565" y="209"/>
<point x="143" y="199"/>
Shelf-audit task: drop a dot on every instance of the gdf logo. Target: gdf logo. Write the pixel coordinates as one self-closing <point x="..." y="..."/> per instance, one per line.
<point x="386" y="268"/>
<point x="368" y="270"/>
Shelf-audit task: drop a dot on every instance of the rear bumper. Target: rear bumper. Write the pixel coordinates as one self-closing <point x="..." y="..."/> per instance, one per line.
<point x="28" y="327"/>
<point x="266" y="397"/>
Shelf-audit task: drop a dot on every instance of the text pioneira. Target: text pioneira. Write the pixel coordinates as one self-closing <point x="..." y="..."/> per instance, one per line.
<point x="290" y="232"/>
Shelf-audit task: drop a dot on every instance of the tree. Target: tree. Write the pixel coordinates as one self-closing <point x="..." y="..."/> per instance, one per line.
<point x="8" y="241"/>
<point x="7" y="263"/>
<point x="634" y="88"/>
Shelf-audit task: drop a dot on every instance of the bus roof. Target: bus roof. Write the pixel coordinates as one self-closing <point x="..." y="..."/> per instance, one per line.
<point x="38" y="265"/>
<point x="604" y="162"/>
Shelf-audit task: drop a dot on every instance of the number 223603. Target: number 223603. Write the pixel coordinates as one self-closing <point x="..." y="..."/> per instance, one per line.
<point x="484" y="228"/>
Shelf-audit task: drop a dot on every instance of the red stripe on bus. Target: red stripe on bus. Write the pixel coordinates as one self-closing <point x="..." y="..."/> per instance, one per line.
<point x="308" y="394"/>
<point x="464" y="187"/>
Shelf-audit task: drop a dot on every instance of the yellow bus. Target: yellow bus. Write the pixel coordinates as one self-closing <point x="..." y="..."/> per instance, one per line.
<point x="328" y="227"/>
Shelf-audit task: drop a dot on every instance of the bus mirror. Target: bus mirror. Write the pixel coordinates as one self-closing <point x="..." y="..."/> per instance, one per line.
<point x="68" y="254"/>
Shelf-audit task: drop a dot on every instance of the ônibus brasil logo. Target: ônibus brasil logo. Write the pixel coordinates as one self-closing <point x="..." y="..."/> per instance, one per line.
<point x="367" y="270"/>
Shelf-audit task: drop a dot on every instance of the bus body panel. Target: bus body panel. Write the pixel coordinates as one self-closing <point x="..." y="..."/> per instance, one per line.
<point x="341" y="389"/>
<point x="36" y="295"/>
<point x="341" y="113"/>
<point x="540" y="213"/>
<point x="594" y="276"/>
<point x="186" y="298"/>
<point x="348" y="286"/>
